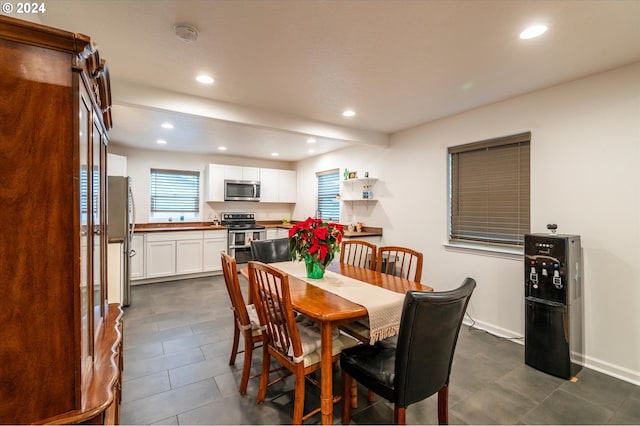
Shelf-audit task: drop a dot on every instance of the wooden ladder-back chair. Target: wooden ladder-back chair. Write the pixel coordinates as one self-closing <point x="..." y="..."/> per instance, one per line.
<point x="400" y="261"/>
<point x="245" y="320"/>
<point x="293" y="341"/>
<point x="362" y="254"/>
<point x="358" y="253"/>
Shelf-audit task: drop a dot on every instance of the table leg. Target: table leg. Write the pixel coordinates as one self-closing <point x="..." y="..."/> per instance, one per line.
<point x="326" y="378"/>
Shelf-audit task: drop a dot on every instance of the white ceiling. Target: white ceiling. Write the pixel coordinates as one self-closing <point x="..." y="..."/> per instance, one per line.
<point x="288" y="68"/>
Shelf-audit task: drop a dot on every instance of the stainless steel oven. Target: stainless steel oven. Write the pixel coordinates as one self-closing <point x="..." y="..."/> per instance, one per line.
<point x="242" y="230"/>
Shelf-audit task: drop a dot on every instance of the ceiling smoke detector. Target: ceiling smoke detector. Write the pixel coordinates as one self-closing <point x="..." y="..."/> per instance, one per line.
<point x="186" y="33"/>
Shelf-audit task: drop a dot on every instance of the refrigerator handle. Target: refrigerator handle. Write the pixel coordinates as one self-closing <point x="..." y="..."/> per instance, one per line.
<point x="133" y="213"/>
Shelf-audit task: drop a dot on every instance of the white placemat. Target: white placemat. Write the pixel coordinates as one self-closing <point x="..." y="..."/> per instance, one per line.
<point x="384" y="306"/>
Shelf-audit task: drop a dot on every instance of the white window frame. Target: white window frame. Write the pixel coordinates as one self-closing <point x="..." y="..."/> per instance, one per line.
<point x="182" y="212"/>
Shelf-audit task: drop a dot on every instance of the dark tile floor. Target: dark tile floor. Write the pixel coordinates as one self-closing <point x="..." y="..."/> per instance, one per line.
<point x="176" y="351"/>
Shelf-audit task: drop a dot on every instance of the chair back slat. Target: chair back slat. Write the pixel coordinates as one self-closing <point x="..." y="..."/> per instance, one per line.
<point x="400" y="261"/>
<point x="230" y="271"/>
<point x="429" y="329"/>
<point x="270" y="288"/>
<point x="358" y="253"/>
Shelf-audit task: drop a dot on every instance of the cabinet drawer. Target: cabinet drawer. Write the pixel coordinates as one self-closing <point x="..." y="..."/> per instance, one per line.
<point x="215" y="235"/>
<point x="174" y="236"/>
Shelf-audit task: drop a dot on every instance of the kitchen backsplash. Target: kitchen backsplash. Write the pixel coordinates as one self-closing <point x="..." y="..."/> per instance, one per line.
<point x="263" y="211"/>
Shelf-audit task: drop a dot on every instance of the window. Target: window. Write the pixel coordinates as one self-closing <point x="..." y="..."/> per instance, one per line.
<point x="175" y="195"/>
<point x="328" y="189"/>
<point x="489" y="192"/>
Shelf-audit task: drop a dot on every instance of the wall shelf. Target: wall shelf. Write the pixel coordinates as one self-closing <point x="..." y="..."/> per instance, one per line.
<point x="361" y="181"/>
<point x="353" y="189"/>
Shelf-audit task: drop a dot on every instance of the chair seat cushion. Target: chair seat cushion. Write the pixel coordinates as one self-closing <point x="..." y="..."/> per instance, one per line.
<point x="337" y="345"/>
<point x="373" y="366"/>
<point x="311" y="341"/>
<point x="256" y="328"/>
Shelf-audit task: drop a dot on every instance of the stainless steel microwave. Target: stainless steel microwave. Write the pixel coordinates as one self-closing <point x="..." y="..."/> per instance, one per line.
<point x="241" y="190"/>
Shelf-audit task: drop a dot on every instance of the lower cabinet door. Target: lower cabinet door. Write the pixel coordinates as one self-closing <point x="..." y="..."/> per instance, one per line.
<point x="136" y="254"/>
<point x="161" y="258"/>
<point x="211" y="253"/>
<point x="188" y="256"/>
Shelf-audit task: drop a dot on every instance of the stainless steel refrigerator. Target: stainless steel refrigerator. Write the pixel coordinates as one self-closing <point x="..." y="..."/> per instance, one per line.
<point x="120" y="225"/>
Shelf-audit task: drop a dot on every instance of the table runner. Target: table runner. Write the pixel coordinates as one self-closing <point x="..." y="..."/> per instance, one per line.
<point x="384" y="306"/>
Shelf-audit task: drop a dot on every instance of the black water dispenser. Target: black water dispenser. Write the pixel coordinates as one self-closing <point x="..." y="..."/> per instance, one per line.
<point x="553" y="303"/>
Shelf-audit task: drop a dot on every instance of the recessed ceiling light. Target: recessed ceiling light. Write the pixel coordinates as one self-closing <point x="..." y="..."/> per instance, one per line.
<point x="274" y="154"/>
<point x="533" y="31"/>
<point x="204" y="79"/>
<point x="311" y="151"/>
<point x="166" y="126"/>
<point x="311" y="140"/>
<point x="348" y="113"/>
<point x="222" y="148"/>
<point x="161" y="142"/>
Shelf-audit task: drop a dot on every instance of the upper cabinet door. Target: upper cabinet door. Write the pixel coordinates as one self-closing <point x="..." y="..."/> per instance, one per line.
<point x="269" y="186"/>
<point x="250" y="173"/>
<point x="241" y="173"/>
<point x="233" y="173"/>
<point x="287" y="186"/>
<point x="214" y="183"/>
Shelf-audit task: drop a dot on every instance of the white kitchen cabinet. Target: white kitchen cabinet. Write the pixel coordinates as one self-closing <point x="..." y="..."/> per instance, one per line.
<point x="214" y="183"/>
<point x="136" y="265"/>
<point x="189" y="256"/>
<point x="161" y="258"/>
<point x="241" y="173"/>
<point x="178" y="253"/>
<point x="287" y="186"/>
<point x="278" y="186"/>
<point x="216" y="174"/>
<point x="269" y="186"/>
<point x="213" y="243"/>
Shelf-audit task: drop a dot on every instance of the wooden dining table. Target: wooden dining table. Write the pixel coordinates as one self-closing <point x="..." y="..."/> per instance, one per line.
<point x="331" y="311"/>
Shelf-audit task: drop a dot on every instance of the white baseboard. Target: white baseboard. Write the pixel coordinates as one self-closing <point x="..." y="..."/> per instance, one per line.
<point x="604" y="367"/>
<point x="612" y="370"/>
<point x="496" y="331"/>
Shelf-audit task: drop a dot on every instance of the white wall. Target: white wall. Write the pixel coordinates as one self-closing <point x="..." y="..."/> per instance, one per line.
<point x="585" y="176"/>
<point x="140" y="162"/>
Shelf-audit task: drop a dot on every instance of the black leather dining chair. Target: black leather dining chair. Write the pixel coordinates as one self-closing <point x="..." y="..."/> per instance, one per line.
<point x="270" y="251"/>
<point x="418" y="364"/>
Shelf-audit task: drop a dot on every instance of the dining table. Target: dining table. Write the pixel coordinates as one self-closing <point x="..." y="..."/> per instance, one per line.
<point x="330" y="311"/>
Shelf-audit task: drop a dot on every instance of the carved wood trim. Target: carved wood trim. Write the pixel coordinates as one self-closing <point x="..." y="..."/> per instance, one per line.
<point x="41" y="35"/>
<point x="102" y="388"/>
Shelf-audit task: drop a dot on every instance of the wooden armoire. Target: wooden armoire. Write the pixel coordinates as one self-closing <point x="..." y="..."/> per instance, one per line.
<point x="60" y="341"/>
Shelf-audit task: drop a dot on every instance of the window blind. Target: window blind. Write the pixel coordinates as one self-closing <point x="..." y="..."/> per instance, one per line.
<point x="175" y="191"/>
<point x="490" y="191"/>
<point x="328" y="188"/>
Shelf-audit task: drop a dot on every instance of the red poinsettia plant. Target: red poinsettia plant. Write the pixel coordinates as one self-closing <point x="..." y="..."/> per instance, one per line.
<point x="315" y="239"/>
